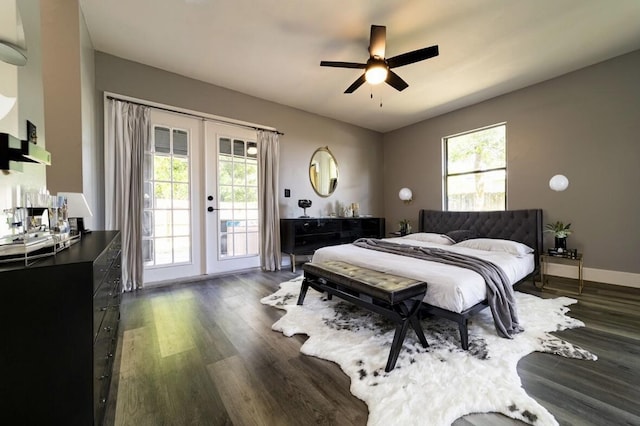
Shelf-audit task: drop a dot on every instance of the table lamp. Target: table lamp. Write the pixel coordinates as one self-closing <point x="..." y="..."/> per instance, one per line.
<point x="77" y="210"/>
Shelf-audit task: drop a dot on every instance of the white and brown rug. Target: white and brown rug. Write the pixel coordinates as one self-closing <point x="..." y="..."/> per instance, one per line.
<point x="434" y="385"/>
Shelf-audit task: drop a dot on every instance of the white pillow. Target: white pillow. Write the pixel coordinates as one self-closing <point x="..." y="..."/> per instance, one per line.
<point x="493" y="244"/>
<point x="429" y="237"/>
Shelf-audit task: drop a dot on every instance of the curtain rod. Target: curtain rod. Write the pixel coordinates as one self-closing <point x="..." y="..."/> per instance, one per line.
<point x="194" y="115"/>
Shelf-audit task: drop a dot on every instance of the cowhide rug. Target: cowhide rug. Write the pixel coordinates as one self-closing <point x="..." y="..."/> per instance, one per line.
<point x="434" y="385"/>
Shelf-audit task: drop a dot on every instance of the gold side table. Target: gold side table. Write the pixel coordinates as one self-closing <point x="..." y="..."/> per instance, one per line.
<point x="545" y="259"/>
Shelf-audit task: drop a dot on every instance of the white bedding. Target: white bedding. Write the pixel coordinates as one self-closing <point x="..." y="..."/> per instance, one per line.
<point x="448" y="287"/>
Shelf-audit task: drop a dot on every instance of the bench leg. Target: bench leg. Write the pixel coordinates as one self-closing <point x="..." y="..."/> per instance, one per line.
<point x="408" y="318"/>
<point x="398" y="339"/>
<point x="303" y="291"/>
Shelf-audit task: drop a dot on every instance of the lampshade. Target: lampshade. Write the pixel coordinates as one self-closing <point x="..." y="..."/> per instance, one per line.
<point x="76" y="204"/>
<point x="405" y="195"/>
<point x="559" y="183"/>
<point x="77" y="210"/>
<point x="376" y="73"/>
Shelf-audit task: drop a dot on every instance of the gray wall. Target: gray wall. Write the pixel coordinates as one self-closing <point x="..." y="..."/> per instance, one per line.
<point x="358" y="151"/>
<point x="584" y="125"/>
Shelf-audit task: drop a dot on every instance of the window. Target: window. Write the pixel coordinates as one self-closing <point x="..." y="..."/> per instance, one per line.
<point x="166" y="224"/>
<point x="475" y="176"/>
<point x="238" y="196"/>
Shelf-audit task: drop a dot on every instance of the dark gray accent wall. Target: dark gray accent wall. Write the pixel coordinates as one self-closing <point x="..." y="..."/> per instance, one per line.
<point x="585" y="125"/>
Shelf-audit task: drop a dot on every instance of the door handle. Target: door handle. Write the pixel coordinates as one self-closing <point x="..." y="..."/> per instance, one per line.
<point x="211" y="209"/>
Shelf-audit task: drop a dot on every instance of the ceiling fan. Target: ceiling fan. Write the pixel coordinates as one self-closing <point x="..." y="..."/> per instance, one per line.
<point x="378" y="69"/>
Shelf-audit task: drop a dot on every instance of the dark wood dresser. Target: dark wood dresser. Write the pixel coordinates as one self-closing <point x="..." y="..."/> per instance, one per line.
<point x="303" y="236"/>
<point x="59" y="333"/>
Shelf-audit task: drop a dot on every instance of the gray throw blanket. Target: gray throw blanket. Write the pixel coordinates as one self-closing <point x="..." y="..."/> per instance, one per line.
<point x="499" y="292"/>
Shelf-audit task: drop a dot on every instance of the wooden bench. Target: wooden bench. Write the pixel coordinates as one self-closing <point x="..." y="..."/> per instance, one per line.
<point x="397" y="298"/>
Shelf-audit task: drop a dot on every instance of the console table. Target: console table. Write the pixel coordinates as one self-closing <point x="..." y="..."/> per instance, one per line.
<point x="303" y="236"/>
<point x="59" y="328"/>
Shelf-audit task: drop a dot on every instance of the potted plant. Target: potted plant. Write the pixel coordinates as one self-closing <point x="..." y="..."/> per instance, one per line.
<point x="560" y="232"/>
<point x="405" y="226"/>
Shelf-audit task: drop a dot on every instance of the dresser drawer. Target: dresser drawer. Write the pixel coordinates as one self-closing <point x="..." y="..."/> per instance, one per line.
<point x="103" y="356"/>
<point x="105" y="263"/>
<point x="315" y="226"/>
<point x="107" y="295"/>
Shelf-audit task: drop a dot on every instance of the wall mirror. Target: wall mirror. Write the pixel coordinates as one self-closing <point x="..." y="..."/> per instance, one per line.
<point x="323" y="172"/>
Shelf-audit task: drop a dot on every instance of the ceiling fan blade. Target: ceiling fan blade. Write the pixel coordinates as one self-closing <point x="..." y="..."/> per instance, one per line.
<point x="342" y="64"/>
<point x="411" y="57"/>
<point x="395" y="81"/>
<point x="359" y="82"/>
<point x="378" y="41"/>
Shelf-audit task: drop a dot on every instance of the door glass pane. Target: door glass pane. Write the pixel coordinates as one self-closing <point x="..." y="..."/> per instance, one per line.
<point x="162" y="168"/>
<point x="163" y="251"/>
<point x="180" y="196"/>
<point x="180" y="169"/>
<point x="147" y="224"/>
<point x="225" y="146"/>
<point x="181" y="222"/>
<point x="162" y="226"/>
<point x="225" y="172"/>
<point x="181" y="249"/>
<point x="180" y="142"/>
<point x="238" y="148"/>
<point x="239" y="173"/>
<point x="162" y="195"/>
<point x="147" y="252"/>
<point x="162" y="140"/>
<point x="238" y="198"/>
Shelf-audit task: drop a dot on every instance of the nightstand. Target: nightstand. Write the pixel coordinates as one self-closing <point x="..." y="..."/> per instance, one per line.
<point x="545" y="259"/>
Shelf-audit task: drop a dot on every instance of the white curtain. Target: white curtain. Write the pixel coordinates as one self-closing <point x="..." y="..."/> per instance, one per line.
<point x="268" y="167"/>
<point x="127" y="132"/>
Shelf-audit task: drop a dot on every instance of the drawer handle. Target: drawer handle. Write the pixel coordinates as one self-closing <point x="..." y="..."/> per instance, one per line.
<point x="103" y="400"/>
<point x="104" y="308"/>
<point x="104" y="376"/>
<point x="107" y="329"/>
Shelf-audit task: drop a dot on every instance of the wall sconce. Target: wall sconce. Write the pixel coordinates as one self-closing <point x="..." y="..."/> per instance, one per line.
<point x="6" y="105"/>
<point x="559" y="183"/>
<point x="406" y="195"/>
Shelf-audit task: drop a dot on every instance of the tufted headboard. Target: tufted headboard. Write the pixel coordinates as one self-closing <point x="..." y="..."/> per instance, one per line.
<point x="524" y="226"/>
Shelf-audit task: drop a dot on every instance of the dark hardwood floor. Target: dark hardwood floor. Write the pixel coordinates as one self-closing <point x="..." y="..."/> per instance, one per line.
<point x="203" y="353"/>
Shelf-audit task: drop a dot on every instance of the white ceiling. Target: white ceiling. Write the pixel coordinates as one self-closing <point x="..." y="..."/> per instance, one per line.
<point x="272" y="49"/>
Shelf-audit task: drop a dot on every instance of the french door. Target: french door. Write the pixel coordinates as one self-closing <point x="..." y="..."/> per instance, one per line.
<point x="231" y="182"/>
<point x="200" y="198"/>
<point x="172" y="230"/>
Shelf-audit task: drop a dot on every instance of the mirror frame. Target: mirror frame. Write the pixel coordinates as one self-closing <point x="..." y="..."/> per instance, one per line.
<point x="311" y="165"/>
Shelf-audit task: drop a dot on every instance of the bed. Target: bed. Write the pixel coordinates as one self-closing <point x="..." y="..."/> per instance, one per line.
<point x="513" y="239"/>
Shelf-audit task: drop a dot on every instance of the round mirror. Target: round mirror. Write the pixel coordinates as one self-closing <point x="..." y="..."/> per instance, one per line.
<point x="323" y="172"/>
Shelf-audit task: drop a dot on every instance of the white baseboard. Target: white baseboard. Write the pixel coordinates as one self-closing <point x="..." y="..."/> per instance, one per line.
<point x="626" y="279"/>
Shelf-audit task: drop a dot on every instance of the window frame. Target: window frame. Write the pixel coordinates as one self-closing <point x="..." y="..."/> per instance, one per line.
<point x="445" y="162"/>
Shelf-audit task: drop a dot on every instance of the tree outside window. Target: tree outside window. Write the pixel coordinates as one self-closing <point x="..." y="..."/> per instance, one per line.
<point x="476" y="170"/>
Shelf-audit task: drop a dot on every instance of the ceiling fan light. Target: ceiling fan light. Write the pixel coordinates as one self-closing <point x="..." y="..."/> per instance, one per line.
<point x="376" y="74"/>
